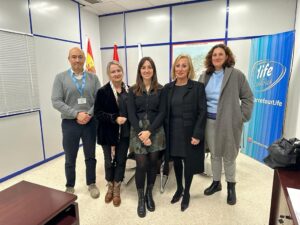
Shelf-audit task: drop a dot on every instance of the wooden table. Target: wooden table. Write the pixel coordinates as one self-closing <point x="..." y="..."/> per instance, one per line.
<point x="26" y="203"/>
<point x="282" y="211"/>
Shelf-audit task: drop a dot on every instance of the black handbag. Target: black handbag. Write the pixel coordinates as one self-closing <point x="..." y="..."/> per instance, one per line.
<point x="284" y="153"/>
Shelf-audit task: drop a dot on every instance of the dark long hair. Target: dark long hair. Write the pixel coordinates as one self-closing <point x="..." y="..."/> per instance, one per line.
<point x="139" y="85"/>
<point x="230" y="61"/>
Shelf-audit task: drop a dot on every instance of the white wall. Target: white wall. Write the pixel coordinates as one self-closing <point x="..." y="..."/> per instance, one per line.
<point x="159" y="54"/>
<point x="90" y="29"/>
<point x="61" y="21"/>
<point x="21" y="145"/>
<point x="200" y="21"/>
<point x="292" y="122"/>
<point x="14" y="16"/>
<point x="241" y="49"/>
<point x="55" y="32"/>
<point x="203" y="21"/>
<point x="112" y="30"/>
<point x="256" y="17"/>
<point x="147" y="27"/>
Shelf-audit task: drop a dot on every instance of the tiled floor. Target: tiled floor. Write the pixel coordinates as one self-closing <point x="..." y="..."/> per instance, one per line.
<point x="253" y="193"/>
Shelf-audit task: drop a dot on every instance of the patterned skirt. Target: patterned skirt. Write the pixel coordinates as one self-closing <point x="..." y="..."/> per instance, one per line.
<point x="158" y="140"/>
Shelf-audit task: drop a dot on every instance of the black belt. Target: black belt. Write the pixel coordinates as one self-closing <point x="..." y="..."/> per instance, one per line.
<point x="212" y="116"/>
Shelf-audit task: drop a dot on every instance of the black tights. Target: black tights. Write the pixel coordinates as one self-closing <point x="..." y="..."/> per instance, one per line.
<point x="146" y="164"/>
<point x="188" y="177"/>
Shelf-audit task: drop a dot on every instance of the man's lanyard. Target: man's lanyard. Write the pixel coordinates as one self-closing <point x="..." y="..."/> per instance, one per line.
<point x="76" y="82"/>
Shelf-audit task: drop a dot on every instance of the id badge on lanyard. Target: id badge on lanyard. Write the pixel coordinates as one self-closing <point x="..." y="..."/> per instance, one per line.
<point x="81" y="100"/>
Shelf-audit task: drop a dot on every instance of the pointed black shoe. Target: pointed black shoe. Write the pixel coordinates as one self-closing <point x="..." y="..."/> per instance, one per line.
<point x="231" y="195"/>
<point x="213" y="188"/>
<point x="177" y="196"/>
<point x="185" y="202"/>
<point x="149" y="199"/>
<point x="141" y="209"/>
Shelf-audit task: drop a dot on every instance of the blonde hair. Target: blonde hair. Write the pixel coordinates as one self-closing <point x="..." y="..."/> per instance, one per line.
<point x="191" y="73"/>
<point x="114" y="62"/>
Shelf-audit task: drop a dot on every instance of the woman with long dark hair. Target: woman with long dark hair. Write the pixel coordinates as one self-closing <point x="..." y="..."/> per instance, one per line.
<point x="147" y="137"/>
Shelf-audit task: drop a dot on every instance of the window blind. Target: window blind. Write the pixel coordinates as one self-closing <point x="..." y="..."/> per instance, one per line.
<point x="19" y="90"/>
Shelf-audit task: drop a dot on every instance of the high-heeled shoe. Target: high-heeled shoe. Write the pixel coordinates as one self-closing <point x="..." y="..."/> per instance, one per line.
<point x="185" y="201"/>
<point x="177" y="196"/>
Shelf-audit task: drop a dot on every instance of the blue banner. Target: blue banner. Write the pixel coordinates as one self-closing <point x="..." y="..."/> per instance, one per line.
<point x="269" y="73"/>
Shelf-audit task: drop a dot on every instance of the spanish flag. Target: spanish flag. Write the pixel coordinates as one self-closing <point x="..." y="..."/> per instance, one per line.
<point x="90" y="65"/>
<point x="116" y="56"/>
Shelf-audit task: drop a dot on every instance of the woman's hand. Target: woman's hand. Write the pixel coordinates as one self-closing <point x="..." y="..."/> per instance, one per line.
<point x="144" y="135"/>
<point x="121" y="120"/>
<point x="195" y="141"/>
<point x="147" y="142"/>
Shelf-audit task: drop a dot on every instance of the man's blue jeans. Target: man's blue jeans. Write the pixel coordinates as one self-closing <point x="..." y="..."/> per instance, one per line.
<point x="72" y="133"/>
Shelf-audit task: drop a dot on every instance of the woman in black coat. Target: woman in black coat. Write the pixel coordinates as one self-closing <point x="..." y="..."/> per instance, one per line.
<point x="147" y="138"/>
<point x="185" y="126"/>
<point x="113" y="129"/>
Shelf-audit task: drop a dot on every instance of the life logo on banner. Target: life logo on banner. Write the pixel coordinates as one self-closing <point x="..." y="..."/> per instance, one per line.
<point x="266" y="74"/>
<point x="269" y="72"/>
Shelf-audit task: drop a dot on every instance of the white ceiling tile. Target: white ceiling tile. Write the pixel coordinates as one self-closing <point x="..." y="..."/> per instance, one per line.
<point x="113" y="6"/>
<point x="109" y="7"/>
<point x="91" y="9"/>
<point x="163" y="2"/>
<point x="133" y="4"/>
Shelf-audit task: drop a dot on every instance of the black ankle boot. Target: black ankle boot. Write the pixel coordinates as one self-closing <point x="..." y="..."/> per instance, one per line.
<point x="231" y="197"/>
<point x="214" y="187"/>
<point x="141" y="209"/>
<point x="177" y="196"/>
<point x="149" y="198"/>
<point x="185" y="201"/>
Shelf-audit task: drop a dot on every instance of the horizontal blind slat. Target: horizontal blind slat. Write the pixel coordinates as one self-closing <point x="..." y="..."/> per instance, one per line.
<point x="19" y="91"/>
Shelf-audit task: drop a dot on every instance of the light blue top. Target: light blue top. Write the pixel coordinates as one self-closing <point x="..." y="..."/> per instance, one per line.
<point x="213" y="89"/>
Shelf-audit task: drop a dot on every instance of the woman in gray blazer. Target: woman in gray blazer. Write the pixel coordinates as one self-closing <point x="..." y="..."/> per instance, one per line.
<point x="229" y="105"/>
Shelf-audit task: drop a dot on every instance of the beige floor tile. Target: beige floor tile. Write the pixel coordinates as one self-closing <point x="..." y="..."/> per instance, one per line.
<point x="253" y="196"/>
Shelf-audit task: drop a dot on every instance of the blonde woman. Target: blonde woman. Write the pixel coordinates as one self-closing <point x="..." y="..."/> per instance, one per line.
<point x="185" y="126"/>
<point x="113" y="129"/>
